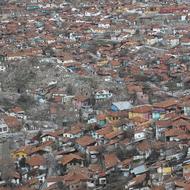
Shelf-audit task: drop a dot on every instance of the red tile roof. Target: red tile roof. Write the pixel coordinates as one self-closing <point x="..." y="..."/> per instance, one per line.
<point x="144" y="146"/>
<point x="101" y="117"/>
<point x="165" y="104"/>
<point x="17" y="109"/>
<point x="138" y="179"/>
<point x="142" y="109"/>
<point x="104" y="130"/>
<point x="12" y="122"/>
<point x="36" y="160"/>
<point x="173" y="132"/>
<point x="85" y="141"/>
<point x="163" y="123"/>
<point x="111" y="160"/>
<point x="113" y="134"/>
<point x="75" y="176"/>
<point x="96" y="168"/>
<point x="69" y="158"/>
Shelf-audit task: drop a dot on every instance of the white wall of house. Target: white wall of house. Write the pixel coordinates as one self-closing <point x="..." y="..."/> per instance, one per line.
<point x="139" y="136"/>
<point x="3" y="128"/>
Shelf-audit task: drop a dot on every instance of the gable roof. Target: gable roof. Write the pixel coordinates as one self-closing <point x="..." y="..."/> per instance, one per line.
<point x="163" y="123"/>
<point x="76" y="175"/>
<point x="69" y="158"/>
<point x="17" y="109"/>
<point x="181" y="122"/>
<point x="104" y="130"/>
<point x="113" y="134"/>
<point x="174" y="132"/>
<point x="12" y="122"/>
<point x="36" y="160"/>
<point x="52" y="134"/>
<point x="143" y="146"/>
<point x="126" y="162"/>
<point x="137" y="180"/>
<point x="142" y="109"/>
<point x="165" y="104"/>
<point x="111" y="160"/>
<point x="85" y="141"/>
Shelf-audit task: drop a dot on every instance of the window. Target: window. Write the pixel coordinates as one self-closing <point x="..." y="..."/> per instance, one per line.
<point x="1" y="129"/>
<point x="4" y="129"/>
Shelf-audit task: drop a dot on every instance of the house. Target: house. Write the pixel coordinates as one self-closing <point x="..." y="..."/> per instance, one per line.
<point x="80" y="101"/>
<point x="92" y="12"/>
<point x="172" y="134"/>
<point x="18" y="112"/>
<point x="77" y="179"/>
<point x="101" y="120"/>
<point x="49" y="136"/>
<point x="139" y="135"/>
<point x="173" y="41"/>
<point x="83" y="142"/>
<point x="53" y="110"/>
<point x="165" y="171"/>
<point x="126" y="167"/>
<point x="92" y="153"/>
<point x="73" y="133"/>
<point x="133" y="88"/>
<point x="12" y="122"/>
<point x="112" y="138"/>
<point x="143" y="111"/>
<point x="121" y="106"/>
<point x="186" y="107"/>
<point x="151" y="40"/>
<point x="3" y="128"/>
<point x="139" y="169"/>
<point x="177" y="155"/>
<point x="70" y="160"/>
<point x="161" y="126"/>
<point x="113" y="116"/>
<point x="161" y="108"/>
<point x="111" y="162"/>
<point x="185" y="42"/>
<point x="142" y="98"/>
<point x="181" y="122"/>
<point x="103" y="95"/>
<point x="66" y="98"/>
<point x="36" y="161"/>
<point x="42" y="149"/>
<point x="186" y="168"/>
<point x="99" y="176"/>
<point x="16" y="178"/>
<point x="22" y="152"/>
<point x="99" y="134"/>
<point x="137" y="182"/>
<point x="144" y="148"/>
<point x="52" y="181"/>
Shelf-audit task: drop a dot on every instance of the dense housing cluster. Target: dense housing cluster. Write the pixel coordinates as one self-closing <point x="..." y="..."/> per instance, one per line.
<point x="94" y="95"/>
